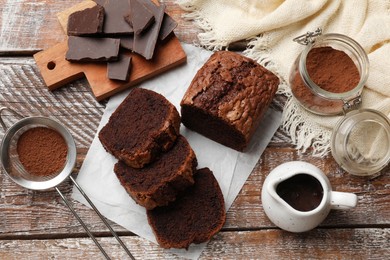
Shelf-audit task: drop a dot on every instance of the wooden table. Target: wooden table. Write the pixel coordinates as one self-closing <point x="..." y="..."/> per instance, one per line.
<point x="37" y="225"/>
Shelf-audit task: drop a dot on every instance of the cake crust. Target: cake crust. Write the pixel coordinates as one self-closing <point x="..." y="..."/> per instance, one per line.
<point x="227" y="99"/>
<point x="144" y="125"/>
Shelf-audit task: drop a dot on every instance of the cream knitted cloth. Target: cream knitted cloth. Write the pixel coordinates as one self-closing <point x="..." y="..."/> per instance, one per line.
<point x="271" y="25"/>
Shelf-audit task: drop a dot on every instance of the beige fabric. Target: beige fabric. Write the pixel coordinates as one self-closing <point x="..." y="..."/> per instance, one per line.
<point x="276" y="23"/>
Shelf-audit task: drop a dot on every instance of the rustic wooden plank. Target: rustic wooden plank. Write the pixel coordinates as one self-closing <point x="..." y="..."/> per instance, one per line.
<point x="260" y="244"/>
<point x="28" y="26"/>
<point x="46" y="214"/>
<point x="37" y="225"/>
<point x="22" y="89"/>
<point x="185" y="31"/>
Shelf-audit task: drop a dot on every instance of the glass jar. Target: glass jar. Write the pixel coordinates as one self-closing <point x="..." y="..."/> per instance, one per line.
<point x="310" y="95"/>
<point x="360" y="142"/>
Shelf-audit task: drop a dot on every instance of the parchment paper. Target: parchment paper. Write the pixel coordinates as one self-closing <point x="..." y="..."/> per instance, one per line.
<point x="231" y="168"/>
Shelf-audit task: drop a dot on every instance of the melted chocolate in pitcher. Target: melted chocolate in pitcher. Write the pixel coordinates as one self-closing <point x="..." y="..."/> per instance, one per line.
<point x="303" y="192"/>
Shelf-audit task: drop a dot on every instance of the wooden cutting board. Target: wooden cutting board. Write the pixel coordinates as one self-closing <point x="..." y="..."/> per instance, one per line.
<point x="57" y="72"/>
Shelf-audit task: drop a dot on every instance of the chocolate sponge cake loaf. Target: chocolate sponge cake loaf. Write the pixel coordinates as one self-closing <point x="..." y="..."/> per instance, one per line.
<point x="227" y="99"/>
<point x="158" y="183"/>
<point x="144" y="125"/>
<point x="197" y="215"/>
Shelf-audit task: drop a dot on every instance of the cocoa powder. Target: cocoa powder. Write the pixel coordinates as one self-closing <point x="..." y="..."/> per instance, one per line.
<point x="42" y="151"/>
<point x="332" y="70"/>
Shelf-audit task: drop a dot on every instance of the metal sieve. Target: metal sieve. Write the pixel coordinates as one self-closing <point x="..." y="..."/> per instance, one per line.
<point x="15" y="170"/>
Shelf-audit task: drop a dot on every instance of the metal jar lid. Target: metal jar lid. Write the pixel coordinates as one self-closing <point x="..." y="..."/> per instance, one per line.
<point x="360" y="142"/>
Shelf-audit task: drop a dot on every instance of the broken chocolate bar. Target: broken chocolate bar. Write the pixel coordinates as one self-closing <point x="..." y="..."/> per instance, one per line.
<point x="145" y="43"/>
<point x="120" y="69"/>
<point x="127" y="42"/>
<point x="167" y="27"/>
<point x="115" y="10"/>
<point x="86" y="22"/>
<point x="139" y="17"/>
<point x="83" y="49"/>
<point x="168" y="24"/>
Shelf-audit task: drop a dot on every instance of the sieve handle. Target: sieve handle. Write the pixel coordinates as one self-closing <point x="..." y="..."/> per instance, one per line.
<point x="102" y="218"/>
<point x="10" y="110"/>
<point x="82" y="223"/>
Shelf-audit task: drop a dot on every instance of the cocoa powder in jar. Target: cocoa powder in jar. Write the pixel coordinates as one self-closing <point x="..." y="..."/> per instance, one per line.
<point x="330" y="69"/>
<point x="42" y="151"/>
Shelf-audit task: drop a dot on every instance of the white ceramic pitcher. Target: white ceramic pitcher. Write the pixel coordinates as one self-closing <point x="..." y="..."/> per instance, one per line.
<point x="283" y="215"/>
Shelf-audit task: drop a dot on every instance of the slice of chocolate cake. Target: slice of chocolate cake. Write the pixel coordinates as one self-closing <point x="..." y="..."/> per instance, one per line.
<point x="158" y="183"/>
<point x="194" y="217"/>
<point x="144" y="125"/>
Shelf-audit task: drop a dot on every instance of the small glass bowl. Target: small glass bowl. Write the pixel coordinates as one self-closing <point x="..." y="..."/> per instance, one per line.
<point x="360" y="142"/>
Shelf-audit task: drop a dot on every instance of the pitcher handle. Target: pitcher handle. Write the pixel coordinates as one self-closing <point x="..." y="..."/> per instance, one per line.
<point x="342" y="200"/>
<point x="10" y="110"/>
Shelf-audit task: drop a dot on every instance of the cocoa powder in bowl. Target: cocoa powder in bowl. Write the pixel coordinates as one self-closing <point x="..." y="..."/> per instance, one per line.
<point x="333" y="71"/>
<point x="42" y="151"/>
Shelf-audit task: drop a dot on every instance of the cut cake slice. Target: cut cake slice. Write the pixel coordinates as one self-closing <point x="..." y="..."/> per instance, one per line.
<point x="144" y="125"/>
<point x="159" y="183"/>
<point x="195" y="216"/>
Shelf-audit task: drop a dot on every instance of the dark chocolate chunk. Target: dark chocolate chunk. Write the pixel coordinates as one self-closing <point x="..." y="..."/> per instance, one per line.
<point x="139" y="17"/>
<point x="115" y="10"/>
<point x="86" y="22"/>
<point x="145" y="43"/>
<point x="168" y="24"/>
<point x="85" y="49"/>
<point x="127" y="42"/>
<point x="167" y="27"/>
<point x="120" y="69"/>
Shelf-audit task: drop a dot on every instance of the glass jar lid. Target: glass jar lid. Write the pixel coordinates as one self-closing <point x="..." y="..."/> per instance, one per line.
<point x="360" y="142"/>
